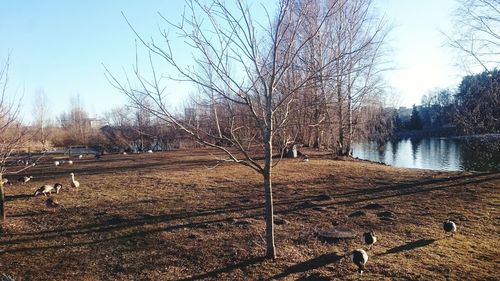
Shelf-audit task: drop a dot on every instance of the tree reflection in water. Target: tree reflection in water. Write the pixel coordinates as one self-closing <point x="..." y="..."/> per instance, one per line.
<point x="453" y="154"/>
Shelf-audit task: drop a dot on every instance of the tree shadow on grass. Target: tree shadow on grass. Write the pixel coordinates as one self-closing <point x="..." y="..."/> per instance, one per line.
<point x="9" y="198"/>
<point x="399" y="190"/>
<point x="314" y="263"/>
<point x="227" y="268"/>
<point x="410" y="246"/>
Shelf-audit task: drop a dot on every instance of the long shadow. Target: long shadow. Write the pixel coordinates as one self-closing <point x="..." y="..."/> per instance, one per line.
<point x="418" y="190"/>
<point x="314" y="263"/>
<point x="410" y="246"/>
<point x="9" y="198"/>
<point x="121" y="224"/>
<point x="141" y="233"/>
<point x="401" y="186"/>
<point x="403" y="192"/>
<point x="225" y="269"/>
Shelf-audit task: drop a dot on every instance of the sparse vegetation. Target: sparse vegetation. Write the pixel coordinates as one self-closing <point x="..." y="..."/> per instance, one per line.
<point x="174" y="216"/>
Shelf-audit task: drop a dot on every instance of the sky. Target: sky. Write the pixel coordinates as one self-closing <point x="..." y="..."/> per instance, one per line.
<point x="421" y="60"/>
<point x="60" y="47"/>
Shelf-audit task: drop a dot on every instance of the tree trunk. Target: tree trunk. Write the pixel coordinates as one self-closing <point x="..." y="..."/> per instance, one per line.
<point x="216" y="117"/>
<point x="267" y="174"/>
<point x="3" y="215"/>
<point x="268" y="193"/>
<point x="347" y="146"/>
<point x="340" y="149"/>
<point x="42" y="135"/>
<point x="316" y="129"/>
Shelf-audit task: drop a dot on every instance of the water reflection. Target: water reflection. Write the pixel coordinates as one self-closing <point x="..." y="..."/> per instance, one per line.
<point x="433" y="153"/>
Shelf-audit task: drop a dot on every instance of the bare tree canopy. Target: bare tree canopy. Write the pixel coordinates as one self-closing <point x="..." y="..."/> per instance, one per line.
<point x="12" y="133"/>
<point x="10" y="127"/>
<point x="477" y="33"/>
<point x="41" y="114"/>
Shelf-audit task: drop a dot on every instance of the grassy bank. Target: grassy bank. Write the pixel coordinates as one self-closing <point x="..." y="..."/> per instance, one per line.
<point x="177" y="216"/>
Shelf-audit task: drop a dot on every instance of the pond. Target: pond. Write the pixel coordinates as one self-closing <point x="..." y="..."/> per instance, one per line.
<point x="446" y="154"/>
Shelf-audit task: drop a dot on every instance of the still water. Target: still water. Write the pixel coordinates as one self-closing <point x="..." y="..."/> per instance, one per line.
<point x="445" y="154"/>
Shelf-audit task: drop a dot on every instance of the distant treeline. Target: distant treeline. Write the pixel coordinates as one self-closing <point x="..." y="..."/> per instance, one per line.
<point x="474" y="108"/>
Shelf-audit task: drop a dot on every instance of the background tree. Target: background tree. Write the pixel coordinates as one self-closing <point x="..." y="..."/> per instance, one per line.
<point x="437" y="108"/>
<point x="477" y="103"/>
<point x="360" y="70"/>
<point x="477" y="33"/>
<point x="353" y="39"/>
<point x="415" y="120"/>
<point x="12" y="133"/>
<point x="41" y="111"/>
<point x="75" y="124"/>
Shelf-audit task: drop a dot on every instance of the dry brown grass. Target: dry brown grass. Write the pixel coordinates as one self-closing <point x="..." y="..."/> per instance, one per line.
<point x="169" y="216"/>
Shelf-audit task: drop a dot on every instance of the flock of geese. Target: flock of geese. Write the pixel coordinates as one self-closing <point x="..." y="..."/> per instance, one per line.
<point x="51" y="203"/>
<point x="360" y="257"/>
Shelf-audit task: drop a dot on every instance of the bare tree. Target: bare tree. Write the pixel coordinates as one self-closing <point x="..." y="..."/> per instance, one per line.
<point x="477" y="33"/>
<point x="343" y="87"/>
<point x="119" y="116"/>
<point x="12" y="133"/>
<point x="78" y="118"/>
<point x="76" y="123"/>
<point x="252" y="65"/>
<point x="41" y="113"/>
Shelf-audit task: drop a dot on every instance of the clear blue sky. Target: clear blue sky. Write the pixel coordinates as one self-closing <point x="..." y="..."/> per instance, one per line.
<point x="58" y="46"/>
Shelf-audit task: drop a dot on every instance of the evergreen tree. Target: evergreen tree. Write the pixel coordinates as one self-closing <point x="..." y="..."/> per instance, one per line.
<point x="415" y="120"/>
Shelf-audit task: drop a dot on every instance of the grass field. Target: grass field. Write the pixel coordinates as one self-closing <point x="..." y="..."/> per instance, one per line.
<point x="177" y="216"/>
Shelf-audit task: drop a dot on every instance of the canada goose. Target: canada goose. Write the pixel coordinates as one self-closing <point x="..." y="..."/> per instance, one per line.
<point x="449" y="226"/>
<point x="44" y="189"/>
<point x="74" y="183"/>
<point x="369" y="238"/>
<point x="304" y="158"/>
<point x="57" y="163"/>
<point x="6" y="181"/>
<point x="24" y="179"/>
<point x="58" y="187"/>
<point x="52" y="204"/>
<point x="359" y="258"/>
